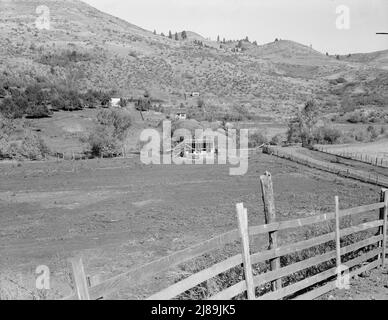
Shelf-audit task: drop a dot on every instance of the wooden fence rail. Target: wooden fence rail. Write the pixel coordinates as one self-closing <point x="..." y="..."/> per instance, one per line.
<point x="372" y="249"/>
<point x="328" y="167"/>
<point x="357" y="156"/>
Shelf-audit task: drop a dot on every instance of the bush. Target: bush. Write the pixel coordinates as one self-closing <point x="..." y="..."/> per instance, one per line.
<point x="327" y="135"/>
<point x="257" y="139"/>
<point x="106" y="139"/>
<point x="277" y="140"/>
<point x="120" y="120"/>
<point x="32" y="147"/>
<point x="373" y="133"/>
<point x="103" y="142"/>
<point x="39" y="112"/>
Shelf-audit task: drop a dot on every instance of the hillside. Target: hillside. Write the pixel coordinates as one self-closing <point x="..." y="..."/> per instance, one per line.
<point x="267" y="80"/>
<point x="377" y="59"/>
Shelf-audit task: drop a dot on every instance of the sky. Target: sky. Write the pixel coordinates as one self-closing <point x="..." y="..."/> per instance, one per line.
<point x="310" y="22"/>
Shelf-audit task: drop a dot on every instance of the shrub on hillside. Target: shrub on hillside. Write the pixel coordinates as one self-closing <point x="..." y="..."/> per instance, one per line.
<point x="327" y="135"/>
<point x="120" y="120"/>
<point x="32" y="147"/>
<point x="357" y="117"/>
<point x="107" y="137"/>
<point x="256" y="139"/>
<point x="63" y="59"/>
<point x="301" y="127"/>
<point x="102" y="141"/>
<point x="277" y="140"/>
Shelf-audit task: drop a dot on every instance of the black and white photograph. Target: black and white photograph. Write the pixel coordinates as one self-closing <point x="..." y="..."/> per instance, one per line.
<point x="215" y="151"/>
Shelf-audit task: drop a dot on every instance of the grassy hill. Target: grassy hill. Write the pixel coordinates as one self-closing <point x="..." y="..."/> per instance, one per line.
<point x="271" y="80"/>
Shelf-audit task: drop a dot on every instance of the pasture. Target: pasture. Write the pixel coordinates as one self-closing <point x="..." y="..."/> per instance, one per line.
<point x="377" y="149"/>
<point x="121" y="214"/>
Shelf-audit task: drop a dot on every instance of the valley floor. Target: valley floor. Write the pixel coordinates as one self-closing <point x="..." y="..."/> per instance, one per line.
<point x="121" y="214"/>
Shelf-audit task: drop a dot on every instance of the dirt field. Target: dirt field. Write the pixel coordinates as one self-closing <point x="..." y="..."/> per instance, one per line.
<point x="120" y="213"/>
<point x="375" y="149"/>
<point x="346" y="163"/>
<point x="371" y="285"/>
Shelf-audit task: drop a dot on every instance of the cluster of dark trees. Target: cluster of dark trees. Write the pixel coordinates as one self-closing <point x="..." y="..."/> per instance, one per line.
<point x="175" y="36"/>
<point x="64" y="58"/>
<point x="36" y="101"/>
<point x="224" y="41"/>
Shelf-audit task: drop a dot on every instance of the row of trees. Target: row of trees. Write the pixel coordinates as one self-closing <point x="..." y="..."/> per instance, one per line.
<point x="108" y="136"/>
<point x="175" y="36"/>
<point x="304" y="128"/>
<point x="37" y="102"/>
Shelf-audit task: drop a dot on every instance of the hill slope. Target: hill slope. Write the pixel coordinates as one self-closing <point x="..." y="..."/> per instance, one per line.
<point x="110" y="53"/>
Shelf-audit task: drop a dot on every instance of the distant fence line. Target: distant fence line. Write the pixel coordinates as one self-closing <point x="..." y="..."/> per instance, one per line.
<point x="372" y="249"/>
<point x="325" y="166"/>
<point x="358" y="156"/>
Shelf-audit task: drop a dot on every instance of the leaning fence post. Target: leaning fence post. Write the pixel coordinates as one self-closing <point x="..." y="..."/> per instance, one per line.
<point x="270" y="216"/>
<point x="383" y="229"/>
<point x="242" y="217"/>
<point x="80" y="280"/>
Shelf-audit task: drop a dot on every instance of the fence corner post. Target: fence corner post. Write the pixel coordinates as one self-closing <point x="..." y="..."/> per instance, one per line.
<point x="337" y="237"/>
<point x="270" y="217"/>
<point x="80" y="281"/>
<point x="383" y="216"/>
<point x="242" y="217"/>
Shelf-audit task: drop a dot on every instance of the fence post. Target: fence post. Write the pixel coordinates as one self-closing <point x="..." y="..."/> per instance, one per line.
<point x="80" y="280"/>
<point x="270" y="216"/>
<point x="242" y="217"/>
<point x="338" y="239"/>
<point x="383" y="229"/>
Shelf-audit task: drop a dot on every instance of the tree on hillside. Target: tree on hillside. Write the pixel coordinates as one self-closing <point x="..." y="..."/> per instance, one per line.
<point x="301" y="127"/>
<point x="155" y="32"/>
<point x="184" y="35"/>
<point x="218" y="38"/>
<point x="255" y="43"/>
<point x="247" y="39"/>
<point x="162" y="34"/>
<point x="170" y="34"/>
<point x="176" y="36"/>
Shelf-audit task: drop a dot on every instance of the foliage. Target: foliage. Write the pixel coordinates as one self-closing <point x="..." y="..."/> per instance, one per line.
<point x="120" y="120"/>
<point x="277" y="140"/>
<point x="102" y="141"/>
<point x="107" y="137"/>
<point x="35" y="101"/>
<point x="301" y="127"/>
<point x="31" y="146"/>
<point x="256" y="139"/>
<point x="327" y="135"/>
<point x="63" y="59"/>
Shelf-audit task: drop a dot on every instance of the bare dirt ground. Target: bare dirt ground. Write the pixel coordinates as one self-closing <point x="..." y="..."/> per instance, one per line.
<point x="371" y="285"/>
<point x="121" y="214"/>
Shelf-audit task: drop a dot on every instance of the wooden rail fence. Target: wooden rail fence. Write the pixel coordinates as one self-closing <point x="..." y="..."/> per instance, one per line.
<point x="372" y="249"/>
<point x="361" y="157"/>
<point x="326" y="166"/>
